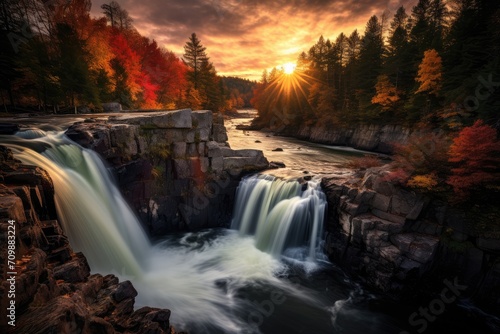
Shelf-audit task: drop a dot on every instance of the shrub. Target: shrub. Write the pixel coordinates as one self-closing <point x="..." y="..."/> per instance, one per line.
<point x="476" y="155"/>
<point x="427" y="181"/>
<point x="397" y="176"/>
<point x="368" y="161"/>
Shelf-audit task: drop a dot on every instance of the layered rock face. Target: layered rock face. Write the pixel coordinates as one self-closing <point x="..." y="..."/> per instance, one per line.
<point x="406" y="244"/>
<point x="54" y="290"/>
<point x="175" y="168"/>
<point x="376" y="138"/>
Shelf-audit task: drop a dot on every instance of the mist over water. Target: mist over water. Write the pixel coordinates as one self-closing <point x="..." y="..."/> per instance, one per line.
<point x="266" y="275"/>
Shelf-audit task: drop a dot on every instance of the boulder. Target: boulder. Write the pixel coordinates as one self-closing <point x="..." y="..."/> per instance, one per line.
<point x="202" y="119"/>
<point x="219" y="133"/>
<point x="176" y="119"/>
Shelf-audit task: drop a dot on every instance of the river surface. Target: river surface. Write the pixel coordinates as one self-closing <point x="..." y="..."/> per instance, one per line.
<point x="299" y="156"/>
<point x="267" y="274"/>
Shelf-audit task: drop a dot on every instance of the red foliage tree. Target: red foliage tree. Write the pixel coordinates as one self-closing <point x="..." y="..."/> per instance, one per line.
<point x="476" y="151"/>
<point x="129" y="60"/>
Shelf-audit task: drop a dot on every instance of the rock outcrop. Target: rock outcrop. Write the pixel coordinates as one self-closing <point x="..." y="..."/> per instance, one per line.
<point x="175" y="168"/>
<point x="54" y="289"/>
<point x="375" y="138"/>
<point x="406" y="244"/>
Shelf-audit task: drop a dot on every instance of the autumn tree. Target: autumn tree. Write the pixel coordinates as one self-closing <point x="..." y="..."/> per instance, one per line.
<point x="430" y="73"/>
<point x="387" y="94"/>
<point x="476" y="155"/>
<point x="126" y="70"/>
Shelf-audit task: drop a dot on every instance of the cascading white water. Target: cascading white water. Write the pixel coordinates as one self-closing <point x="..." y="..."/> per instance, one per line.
<point x="94" y="215"/>
<point x="215" y="281"/>
<point x="200" y="276"/>
<point x="280" y="213"/>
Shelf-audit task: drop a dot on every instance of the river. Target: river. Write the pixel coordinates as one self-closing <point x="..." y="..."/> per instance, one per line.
<point x="267" y="274"/>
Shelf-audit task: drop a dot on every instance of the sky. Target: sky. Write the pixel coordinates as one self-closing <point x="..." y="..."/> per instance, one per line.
<point x="244" y="37"/>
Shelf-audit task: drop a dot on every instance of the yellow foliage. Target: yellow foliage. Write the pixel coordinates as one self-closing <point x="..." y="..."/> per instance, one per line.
<point x="426" y="181"/>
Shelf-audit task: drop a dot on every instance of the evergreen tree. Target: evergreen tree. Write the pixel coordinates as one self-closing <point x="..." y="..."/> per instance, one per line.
<point x="370" y="62"/>
<point x="195" y="57"/>
<point x="471" y="58"/>
<point x="398" y="64"/>
<point x="73" y="68"/>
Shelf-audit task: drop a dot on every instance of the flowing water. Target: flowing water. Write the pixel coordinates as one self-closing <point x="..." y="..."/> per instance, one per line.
<point x="265" y="275"/>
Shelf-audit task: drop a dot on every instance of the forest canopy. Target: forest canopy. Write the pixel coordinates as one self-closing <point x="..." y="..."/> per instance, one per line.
<point x="436" y="64"/>
<point x="54" y="55"/>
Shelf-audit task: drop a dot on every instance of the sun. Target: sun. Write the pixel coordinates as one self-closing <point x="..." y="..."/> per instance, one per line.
<point x="289" y="68"/>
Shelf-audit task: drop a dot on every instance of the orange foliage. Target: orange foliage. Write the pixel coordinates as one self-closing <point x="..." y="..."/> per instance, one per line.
<point x="476" y="152"/>
<point x="387" y="94"/>
<point x="427" y="181"/>
<point x="430" y="73"/>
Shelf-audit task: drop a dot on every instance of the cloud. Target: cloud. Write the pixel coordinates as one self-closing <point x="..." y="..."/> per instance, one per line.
<point x="244" y="37"/>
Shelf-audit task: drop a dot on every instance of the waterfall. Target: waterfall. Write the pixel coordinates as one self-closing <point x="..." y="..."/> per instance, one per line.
<point x="215" y="280"/>
<point x="281" y="213"/>
<point x="90" y="208"/>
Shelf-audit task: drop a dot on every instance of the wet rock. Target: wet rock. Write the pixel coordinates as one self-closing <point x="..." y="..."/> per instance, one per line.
<point x="8" y="128"/>
<point x="276" y="164"/>
<point x="54" y="290"/>
<point x="76" y="270"/>
<point x="278" y="149"/>
<point x="123" y="291"/>
<point x="490" y="245"/>
<point x="390" y="237"/>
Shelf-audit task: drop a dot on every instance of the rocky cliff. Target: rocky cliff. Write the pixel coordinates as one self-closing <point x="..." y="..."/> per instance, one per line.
<point x="51" y="285"/>
<point x="376" y="138"/>
<point x="406" y="244"/>
<point x="175" y="168"/>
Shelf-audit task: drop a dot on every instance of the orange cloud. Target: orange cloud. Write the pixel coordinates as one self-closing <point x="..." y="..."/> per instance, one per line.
<point x="244" y="37"/>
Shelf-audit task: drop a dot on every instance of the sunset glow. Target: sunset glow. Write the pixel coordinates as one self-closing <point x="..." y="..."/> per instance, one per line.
<point x="289" y="68"/>
<point x="247" y="36"/>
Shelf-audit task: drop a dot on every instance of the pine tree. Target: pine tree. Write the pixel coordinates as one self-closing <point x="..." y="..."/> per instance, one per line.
<point x="194" y="57"/>
<point x="370" y="61"/>
<point x="398" y="61"/>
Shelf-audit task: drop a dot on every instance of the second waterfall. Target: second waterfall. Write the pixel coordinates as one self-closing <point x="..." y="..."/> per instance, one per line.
<point x="283" y="214"/>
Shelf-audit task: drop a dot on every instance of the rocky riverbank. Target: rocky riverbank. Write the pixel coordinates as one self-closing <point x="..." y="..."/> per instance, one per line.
<point x="368" y="137"/>
<point x="54" y="291"/>
<point x="406" y="244"/>
<point x="175" y="168"/>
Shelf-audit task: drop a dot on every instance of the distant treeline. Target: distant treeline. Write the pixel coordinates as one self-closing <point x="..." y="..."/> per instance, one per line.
<point x="437" y="65"/>
<point x="240" y="91"/>
<point x="54" y="55"/>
